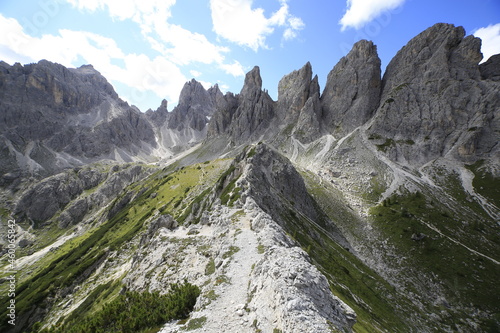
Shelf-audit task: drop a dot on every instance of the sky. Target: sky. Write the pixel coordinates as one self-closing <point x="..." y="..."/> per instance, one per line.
<point x="148" y="49"/>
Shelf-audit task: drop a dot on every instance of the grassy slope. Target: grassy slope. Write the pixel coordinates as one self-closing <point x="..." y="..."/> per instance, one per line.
<point x="166" y="191"/>
<point x="379" y="307"/>
<point x="451" y="281"/>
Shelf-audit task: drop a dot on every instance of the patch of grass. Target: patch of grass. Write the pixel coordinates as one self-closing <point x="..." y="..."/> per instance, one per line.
<point x="195" y="323"/>
<point x="211" y="296"/>
<point x="210" y="268"/>
<point x="485" y="183"/>
<point x="99" y="293"/>
<point x="232" y="250"/>
<point x="251" y="153"/>
<point x="235" y="195"/>
<point x="464" y="276"/>
<point x="222" y="279"/>
<point x="386" y="145"/>
<point x="237" y="216"/>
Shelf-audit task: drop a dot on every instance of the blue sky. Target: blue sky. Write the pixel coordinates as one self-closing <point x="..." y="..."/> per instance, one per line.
<point x="148" y="49"/>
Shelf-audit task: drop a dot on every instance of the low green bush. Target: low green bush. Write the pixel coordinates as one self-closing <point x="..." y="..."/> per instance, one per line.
<point x="136" y="312"/>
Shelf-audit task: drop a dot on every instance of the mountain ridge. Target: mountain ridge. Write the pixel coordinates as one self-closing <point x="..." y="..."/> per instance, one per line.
<point x="377" y="196"/>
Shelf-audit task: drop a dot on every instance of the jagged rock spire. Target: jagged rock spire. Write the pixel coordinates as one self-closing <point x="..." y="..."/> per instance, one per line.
<point x="352" y="90"/>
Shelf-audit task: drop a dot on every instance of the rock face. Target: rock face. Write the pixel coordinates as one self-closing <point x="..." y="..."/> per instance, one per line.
<point x="298" y="291"/>
<point x="277" y="188"/>
<point x="352" y="91"/>
<point x="434" y="102"/>
<point x="490" y="70"/>
<point x="187" y="123"/>
<point x="225" y="106"/>
<point x="298" y="105"/>
<point x="195" y="105"/>
<point x="62" y="193"/>
<point x="54" y="117"/>
<point x="251" y="117"/>
<point x="351" y="96"/>
<point x="271" y="177"/>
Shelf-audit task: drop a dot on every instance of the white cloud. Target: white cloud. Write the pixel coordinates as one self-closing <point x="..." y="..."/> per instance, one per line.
<point x="206" y="84"/>
<point x="184" y="47"/>
<point x="235" y="69"/>
<point x="194" y="73"/>
<point x="141" y="73"/>
<point x="490" y="37"/>
<point x="138" y="11"/>
<point x="158" y="75"/>
<point x="361" y="12"/>
<point x="296" y="24"/>
<point x="236" y="21"/>
<point x="181" y="46"/>
<point x="224" y="88"/>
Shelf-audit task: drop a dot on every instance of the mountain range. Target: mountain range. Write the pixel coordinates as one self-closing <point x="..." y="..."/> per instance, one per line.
<point x="370" y="206"/>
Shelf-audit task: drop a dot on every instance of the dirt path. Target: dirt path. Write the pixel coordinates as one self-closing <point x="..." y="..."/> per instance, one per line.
<point x="458" y="243"/>
<point x="229" y="283"/>
<point x="228" y="313"/>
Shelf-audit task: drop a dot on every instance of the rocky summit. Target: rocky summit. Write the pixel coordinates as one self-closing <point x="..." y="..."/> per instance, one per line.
<point x="372" y="205"/>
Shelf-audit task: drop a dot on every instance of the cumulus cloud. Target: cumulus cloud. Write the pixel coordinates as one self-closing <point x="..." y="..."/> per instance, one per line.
<point x="179" y="45"/>
<point x="490" y="37"/>
<point x="127" y="9"/>
<point x="235" y="69"/>
<point x="238" y="22"/>
<point x="295" y="25"/>
<point x="194" y="73"/>
<point x="361" y="12"/>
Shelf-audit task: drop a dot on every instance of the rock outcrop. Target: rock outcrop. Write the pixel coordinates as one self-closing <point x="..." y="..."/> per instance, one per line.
<point x="490" y="70"/>
<point x="272" y="181"/>
<point x="352" y="91"/>
<point x="252" y="116"/>
<point x="195" y="105"/>
<point x="187" y="123"/>
<point x="54" y="118"/>
<point x="226" y="106"/>
<point x="64" y="193"/>
<point x="298" y="107"/>
<point x="434" y="102"/>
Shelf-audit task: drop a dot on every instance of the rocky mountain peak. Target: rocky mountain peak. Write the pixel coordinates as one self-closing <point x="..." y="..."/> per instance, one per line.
<point x="55" y="117"/>
<point x="434" y="101"/>
<point x="352" y="90"/>
<point x="195" y="104"/>
<point x="293" y="91"/>
<point x="245" y="116"/>
<point x="194" y="95"/>
<point x="441" y="51"/>
<point x="164" y="104"/>
<point x="253" y="84"/>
